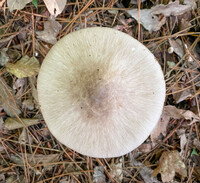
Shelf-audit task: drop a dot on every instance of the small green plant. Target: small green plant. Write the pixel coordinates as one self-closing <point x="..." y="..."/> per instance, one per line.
<point x="35" y="3"/>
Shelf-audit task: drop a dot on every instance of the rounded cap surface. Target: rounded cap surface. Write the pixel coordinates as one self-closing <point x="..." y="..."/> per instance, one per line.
<point x="101" y="92"/>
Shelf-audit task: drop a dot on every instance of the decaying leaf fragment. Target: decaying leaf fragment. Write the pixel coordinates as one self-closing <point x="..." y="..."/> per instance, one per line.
<point x="149" y="18"/>
<point x="4" y="58"/>
<point x="55" y="7"/>
<point x="8" y="100"/>
<point x="51" y="30"/>
<point x="144" y="171"/>
<point x="174" y="8"/>
<point x="169" y="112"/>
<point x="14" y="123"/>
<point x="183" y="95"/>
<point x="35" y="160"/>
<point x="170" y="163"/>
<point x="17" y="4"/>
<point x="173" y="112"/>
<point x="177" y="46"/>
<point x="25" y="67"/>
<point x="116" y="171"/>
<point x="99" y="176"/>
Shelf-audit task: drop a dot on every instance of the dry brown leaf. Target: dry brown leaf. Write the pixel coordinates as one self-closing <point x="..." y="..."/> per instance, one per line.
<point x="25" y="67"/>
<point x="17" y="4"/>
<point x="4" y="58"/>
<point x="183" y="141"/>
<point x="169" y="164"/>
<point x="55" y="7"/>
<point x="33" y="81"/>
<point x="174" y="8"/>
<point x="184" y="24"/>
<point x="181" y="96"/>
<point x="168" y="113"/>
<point x="23" y="138"/>
<point x="14" y="123"/>
<point x="173" y="112"/>
<point x="144" y="148"/>
<point x="51" y="30"/>
<point x="161" y="127"/>
<point x="28" y="104"/>
<point x="7" y="99"/>
<point x="36" y="159"/>
<point x="177" y="46"/>
<point x="145" y="172"/>
<point x="149" y="18"/>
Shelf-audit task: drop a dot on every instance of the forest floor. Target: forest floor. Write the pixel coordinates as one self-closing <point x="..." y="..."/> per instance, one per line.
<point x="29" y="152"/>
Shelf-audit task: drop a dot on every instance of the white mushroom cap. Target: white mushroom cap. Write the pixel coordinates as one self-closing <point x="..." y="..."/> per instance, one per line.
<point x="101" y="92"/>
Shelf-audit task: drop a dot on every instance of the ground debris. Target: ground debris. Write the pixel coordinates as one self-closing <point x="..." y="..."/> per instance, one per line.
<point x="25" y="67"/>
<point x="4" y="58"/>
<point x="149" y="18"/>
<point x="168" y="113"/>
<point x="35" y="160"/>
<point x="116" y="171"/>
<point x="169" y="164"/>
<point x="99" y="176"/>
<point x="8" y="100"/>
<point x="17" y="5"/>
<point x="51" y="30"/>
<point x="55" y="7"/>
<point x="145" y="172"/>
<point x="15" y="123"/>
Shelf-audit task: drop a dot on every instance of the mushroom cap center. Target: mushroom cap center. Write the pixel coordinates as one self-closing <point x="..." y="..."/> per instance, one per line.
<point x="97" y="96"/>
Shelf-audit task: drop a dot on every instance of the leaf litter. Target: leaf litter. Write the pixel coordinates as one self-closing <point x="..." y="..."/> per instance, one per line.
<point x="149" y="18"/>
<point x="15" y="123"/>
<point x="171" y="112"/>
<point x="7" y="99"/>
<point x="33" y="30"/>
<point x="169" y="164"/>
<point x="51" y="30"/>
<point x="25" y="67"/>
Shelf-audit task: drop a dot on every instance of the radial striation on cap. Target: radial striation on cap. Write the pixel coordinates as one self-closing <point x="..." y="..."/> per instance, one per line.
<point x="101" y="92"/>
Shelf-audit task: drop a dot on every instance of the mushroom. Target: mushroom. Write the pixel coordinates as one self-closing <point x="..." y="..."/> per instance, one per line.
<point x="101" y="92"/>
